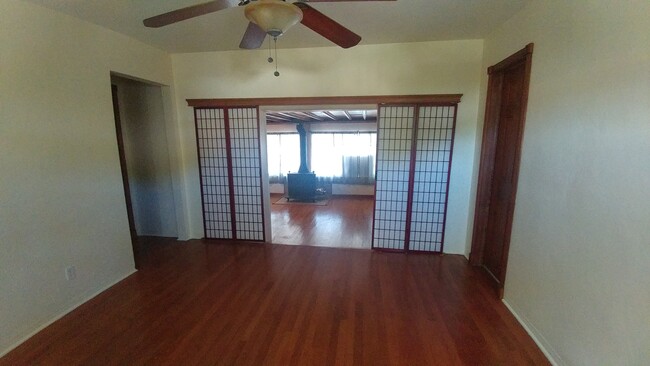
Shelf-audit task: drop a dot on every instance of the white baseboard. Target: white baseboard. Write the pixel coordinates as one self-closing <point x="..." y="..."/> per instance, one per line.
<point x="64" y="313"/>
<point x="537" y="337"/>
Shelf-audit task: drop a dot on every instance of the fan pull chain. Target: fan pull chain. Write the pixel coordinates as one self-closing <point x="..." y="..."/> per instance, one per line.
<point x="270" y="59"/>
<point x="275" y="44"/>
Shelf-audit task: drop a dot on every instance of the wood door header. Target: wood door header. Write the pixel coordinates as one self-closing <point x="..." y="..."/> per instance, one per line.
<point x="430" y="99"/>
<point x="513" y="59"/>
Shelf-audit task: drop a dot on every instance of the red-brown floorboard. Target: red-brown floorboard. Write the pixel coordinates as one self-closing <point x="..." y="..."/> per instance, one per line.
<point x="217" y="303"/>
<point x="345" y="222"/>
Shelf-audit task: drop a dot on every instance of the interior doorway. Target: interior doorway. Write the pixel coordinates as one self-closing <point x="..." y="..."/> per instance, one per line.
<point x="417" y="176"/>
<point x="145" y="161"/>
<point x="321" y="166"/>
<point x="505" y="115"/>
<point x="125" y="175"/>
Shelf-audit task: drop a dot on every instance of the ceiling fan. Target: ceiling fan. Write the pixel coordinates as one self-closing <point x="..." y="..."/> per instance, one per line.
<point x="271" y="17"/>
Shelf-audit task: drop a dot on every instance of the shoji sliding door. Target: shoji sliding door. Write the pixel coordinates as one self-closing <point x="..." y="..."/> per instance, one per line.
<point x="434" y="144"/>
<point x="394" y="142"/>
<point x="414" y="148"/>
<point x="228" y="145"/>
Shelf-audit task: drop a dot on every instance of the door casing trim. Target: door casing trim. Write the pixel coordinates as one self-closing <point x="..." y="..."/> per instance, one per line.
<point x="488" y="147"/>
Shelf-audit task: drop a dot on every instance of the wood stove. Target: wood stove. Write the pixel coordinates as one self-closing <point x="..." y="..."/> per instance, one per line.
<point x="301" y="186"/>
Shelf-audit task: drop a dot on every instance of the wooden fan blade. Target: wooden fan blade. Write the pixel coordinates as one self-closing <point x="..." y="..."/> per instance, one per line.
<point x="337" y="1"/>
<point x="326" y="27"/>
<point x="253" y="38"/>
<point x="178" y="15"/>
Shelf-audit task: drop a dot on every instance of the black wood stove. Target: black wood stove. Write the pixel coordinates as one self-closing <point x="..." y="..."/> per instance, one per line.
<point x="301" y="186"/>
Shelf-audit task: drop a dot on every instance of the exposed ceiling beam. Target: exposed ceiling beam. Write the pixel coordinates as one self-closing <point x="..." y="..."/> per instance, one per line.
<point x="289" y="115"/>
<point x="306" y="115"/>
<point x="319" y="115"/>
<point x="330" y="115"/>
<point x="314" y="116"/>
<point x="275" y="116"/>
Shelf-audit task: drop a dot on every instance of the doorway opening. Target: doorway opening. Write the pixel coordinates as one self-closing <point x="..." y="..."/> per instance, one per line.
<point x="321" y="172"/>
<point x="145" y="161"/>
<point x="414" y="146"/>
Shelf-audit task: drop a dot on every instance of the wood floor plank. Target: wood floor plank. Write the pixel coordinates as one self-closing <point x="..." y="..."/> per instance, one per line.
<point x="220" y="303"/>
<point x="345" y="222"/>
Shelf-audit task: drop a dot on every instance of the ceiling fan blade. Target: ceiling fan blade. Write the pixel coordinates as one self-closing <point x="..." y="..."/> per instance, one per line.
<point x="178" y="15"/>
<point x="326" y="27"/>
<point x="253" y="38"/>
<point x="337" y="1"/>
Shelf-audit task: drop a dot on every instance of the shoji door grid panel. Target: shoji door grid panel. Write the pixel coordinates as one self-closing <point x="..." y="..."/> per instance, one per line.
<point x="228" y="144"/>
<point x="394" y="140"/>
<point x="414" y="149"/>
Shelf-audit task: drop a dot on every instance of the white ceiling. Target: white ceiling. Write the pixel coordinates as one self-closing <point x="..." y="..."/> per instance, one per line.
<point x="376" y="22"/>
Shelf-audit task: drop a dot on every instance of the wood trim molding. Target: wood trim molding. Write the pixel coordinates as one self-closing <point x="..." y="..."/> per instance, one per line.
<point x="515" y="58"/>
<point x="483" y="191"/>
<point x="231" y="179"/>
<point x="429" y="99"/>
<point x="198" y="154"/>
<point x="527" y="59"/>
<point x="449" y="165"/>
<point x="488" y="149"/>
<point x="411" y="183"/>
<point x="125" y="176"/>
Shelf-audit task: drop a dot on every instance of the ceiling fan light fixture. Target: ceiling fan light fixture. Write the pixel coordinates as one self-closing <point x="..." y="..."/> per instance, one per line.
<point x="274" y="16"/>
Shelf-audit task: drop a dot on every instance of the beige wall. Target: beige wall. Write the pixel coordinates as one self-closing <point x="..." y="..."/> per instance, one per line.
<point x="579" y="266"/>
<point x="61" y="197"/>
<point x="414" y="68"/>
<point x="579" y="257"/>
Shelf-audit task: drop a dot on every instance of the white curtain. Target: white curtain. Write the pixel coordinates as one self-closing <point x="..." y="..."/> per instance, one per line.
<point x="344" y="157"/>
<point x="283" y="152"/>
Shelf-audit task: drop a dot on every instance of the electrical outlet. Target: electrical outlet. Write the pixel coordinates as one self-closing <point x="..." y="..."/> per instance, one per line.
<point x="70" y="273"/>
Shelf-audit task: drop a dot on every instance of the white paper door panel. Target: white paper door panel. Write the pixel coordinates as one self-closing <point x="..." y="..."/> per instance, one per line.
<point x="394" y="137"/>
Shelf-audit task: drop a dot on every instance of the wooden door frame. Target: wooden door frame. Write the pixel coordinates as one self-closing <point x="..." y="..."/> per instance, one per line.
<point x="488" y="149"/>
<point x="378" y="100"/>
<point x="435" y="99"/>
<point x="125" y="176"/>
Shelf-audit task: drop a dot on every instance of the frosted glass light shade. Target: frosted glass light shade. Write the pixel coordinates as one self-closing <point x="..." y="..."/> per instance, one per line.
<point x="273" y="16"/>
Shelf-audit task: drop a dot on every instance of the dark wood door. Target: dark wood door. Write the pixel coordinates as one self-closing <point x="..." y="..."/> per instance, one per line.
<point x="502" y="137"/>
<point x="501" y="195"/>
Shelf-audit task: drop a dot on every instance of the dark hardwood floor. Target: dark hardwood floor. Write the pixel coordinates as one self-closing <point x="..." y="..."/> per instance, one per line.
<point x="213" y="303"/>
<point x="346" y="222"/>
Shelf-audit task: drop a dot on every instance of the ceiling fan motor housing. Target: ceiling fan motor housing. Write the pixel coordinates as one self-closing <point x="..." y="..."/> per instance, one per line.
<point x="274" y="16"/>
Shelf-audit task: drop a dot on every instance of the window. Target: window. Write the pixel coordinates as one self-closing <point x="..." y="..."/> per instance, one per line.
<point x="344" y="157"/>
<point x="283" y="151"/>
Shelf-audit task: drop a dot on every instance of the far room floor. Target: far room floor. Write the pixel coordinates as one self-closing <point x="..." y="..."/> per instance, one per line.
<point x="343" y="222"/>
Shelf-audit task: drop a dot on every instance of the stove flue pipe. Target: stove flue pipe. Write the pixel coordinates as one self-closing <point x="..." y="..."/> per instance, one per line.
<point x="303" y="148"/>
